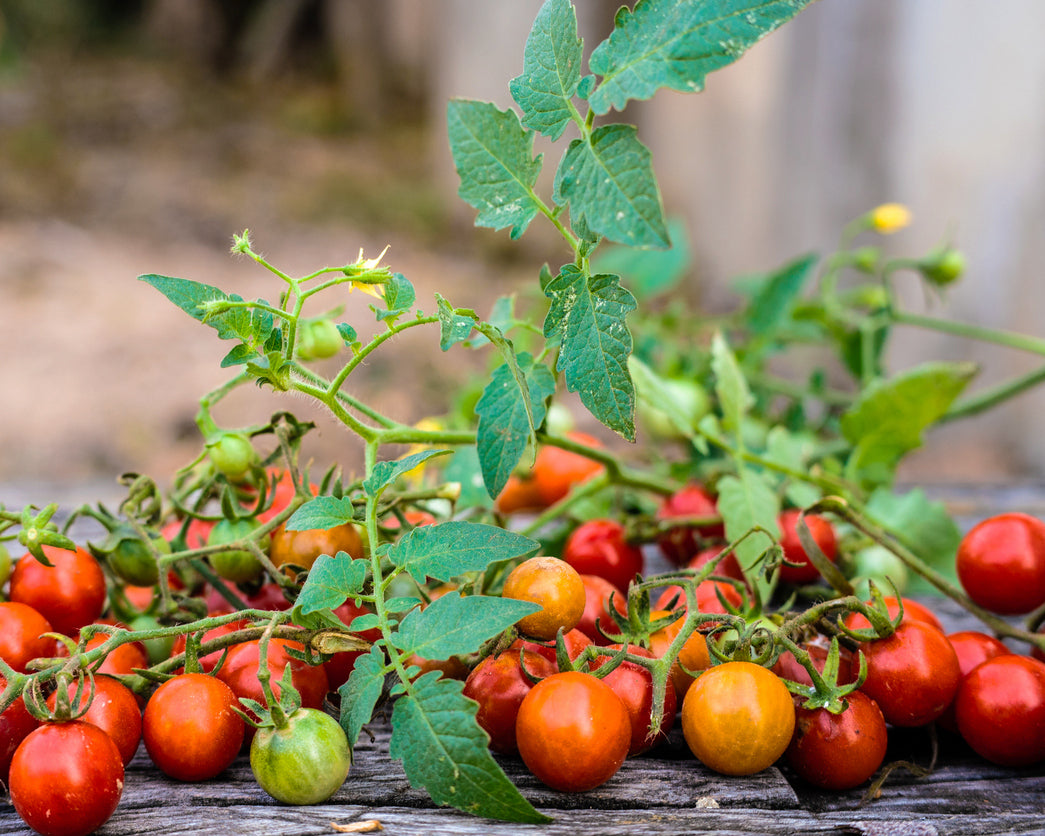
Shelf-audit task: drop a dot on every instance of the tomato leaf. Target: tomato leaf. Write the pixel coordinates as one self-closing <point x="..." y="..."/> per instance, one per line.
<point x="794" y="451"/>
<point x="588" y="315"/>
<point x="454" y="328"/>
<point x="453" y="625"/>
<point x="206" y="304"/>
<point x="745" y="501"/>
<point x="464" y="468"/>
<point x="399" y="297"/>
<point x="330" y="581"/>
<point x="361" y="692"/>
<point x="385" y="473"/>
<point x="775" y="294"/>
<point x="444" y="750"/>
<point x="510" y="409"/>
<point x="890" y="417"/>
<point x="493" y="154"/>
<point x="551" y="70"/>
<point x="449" y="549"/>
<point x="676" y="43"/>
<point x="323" y="512"/>
<point x="607" y="178"/>
<point x="730" y="384"/>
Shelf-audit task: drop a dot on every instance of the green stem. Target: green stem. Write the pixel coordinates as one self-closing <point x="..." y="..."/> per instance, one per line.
<point x="337" y="382"/>
<point x="1008" y="339"/>
<point x="994" y="395"/>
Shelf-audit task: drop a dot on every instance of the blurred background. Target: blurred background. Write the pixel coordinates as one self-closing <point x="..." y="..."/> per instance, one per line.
<point x="136" y="136"/>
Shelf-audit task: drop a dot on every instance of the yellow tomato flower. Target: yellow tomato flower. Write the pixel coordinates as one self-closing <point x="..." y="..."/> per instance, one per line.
<point x="415" y="475"/>
<point x="889" y="217"/>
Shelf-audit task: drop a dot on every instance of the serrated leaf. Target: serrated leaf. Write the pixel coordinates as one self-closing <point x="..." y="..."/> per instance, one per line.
<point x="322" y="512"/>
<point x="745" y="501"/>
<point x="776" y="293"/>
<point x="399" y="297"/>
<point x="493" y="154"/>
<point x="730" y="384"/>
<point x="449" y="549"/>
<point x="588" y="315"/>
<point x="361" y="692"/>
<point x="890" y="416"/>
<point x="347" y="332"/>
<point x="443" y="750"/>
<point x="453" y="327"/>
<point x="330" y="581"/>
<point x="510" y="409"/>
<point x="608" y="181"/>
<point x="676" y="43"/>
<point x="551" y="70"/>
<point x="647" y="272"/>
<point x="251" y="326"/>
<point x="385" y="473"/>
<point x="452" y="625"/>
<point x="403" y="603"/>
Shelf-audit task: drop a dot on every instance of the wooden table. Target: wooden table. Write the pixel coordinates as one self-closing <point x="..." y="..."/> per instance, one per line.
<point x="666" y="792"/>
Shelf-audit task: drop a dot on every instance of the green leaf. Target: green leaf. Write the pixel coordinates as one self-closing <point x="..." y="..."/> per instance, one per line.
<point x="794" y="451"/>
<point x="551" y="70"/>
<point x="510" y="409"/>
<point x="745" y="501"/>
<point x="588" y="315"/>
<point x="385" y="473"/>
<point x="608" y="181"/>
<point x="454" y="328"/>
<point x="238" y="355"/>
<point x="447" y="550"/>
<point x="676" y="43"/>
<point x="772" y="302"/>
<point x="361" y="692"/>
<point x="443" y="750"/>
<point x="464" y="468"/>
<point x="330" y="581"/>
<point x="452" y="625"/>
<point x="648" y="273"/>
<point x="654" y="394"/>
<point x="493" y="154"/>
<point x="322" y="512"/>
<point x="399" y="297"/>
<point x="730" y="384"/>
<point x="890" y="416"/>
<point x="250" y="325"/>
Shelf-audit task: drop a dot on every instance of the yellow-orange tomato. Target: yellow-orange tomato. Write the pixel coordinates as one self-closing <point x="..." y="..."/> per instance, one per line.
<point x="556" y="587"/>
<point x="302" y="548"/>
<point x="692" y="657"/>
<point x="738" y="718"/>
<point x="555" y="471"/>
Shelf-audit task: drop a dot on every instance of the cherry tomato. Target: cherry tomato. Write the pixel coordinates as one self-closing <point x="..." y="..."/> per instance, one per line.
<point x="318" y="339"/>
<point x="232" y="454"/>
<point x="238" y="565"/>
<point x="573" y="731"/>
<point x="132" y="562"/>
<point x="598" y="547"/>
<point x="22" y="637"/>
<point x="681" y="544"/>
<point x="693" y="656"/>
<point x="70" y="594"/>
<point x="708" y="600"/>
<point x="912" y="611"/>
<point x="499" y="684"/>
<point x="557" y="471"/>
<point x="190" y="729"/>
<point x="1000" y="710"/>
<point x="123" y="660"/>
<point x="823" y="535"/>
<point x="15" y="724"/>
<point x="555" y="586"/>
<point x="738" y="718"/>
<point x="302" y="548"/>
<point x="114" y="710"/>
<point x="305" y="762"/>
<point x="634" y="685"/>
<point x="519" y="494"/>
<point x="788" y="667"/>
<point x="575" y="641"/>
<point x="838" y="751"/>
<point x="597" y="592"/>
<point x="281" y="494"/>
<point x="66" y="779"/>
<point x="1001" y="563"/>
<point x="339" y="666"/>
<point x="196" y="533"/>
<point x="971" y="647"/>
<point x="912" y="675"/>
<point x="728" y="567"/>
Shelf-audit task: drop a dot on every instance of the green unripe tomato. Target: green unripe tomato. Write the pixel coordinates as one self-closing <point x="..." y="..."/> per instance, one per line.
<point x="689" y="400"/>
<point x="318" y="339"/>
<point x="238" y="565"/>
<point x="5" y="564"/>
<point x="878" y="564"/>
<point x="304" y="763"/>
<point x="232" y="454"/>
<point x="158" y="649"/>
<point x="133" y="562"/>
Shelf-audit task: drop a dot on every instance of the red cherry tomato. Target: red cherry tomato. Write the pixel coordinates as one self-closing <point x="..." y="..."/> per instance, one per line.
<point x="728" y="567"/>
<point x="788" y="667"/>
<point x="15" y="724"/>
<point x="823" y="535"/>
<point x="70" y="594"/>
<point x="913" y="674"/>
<point x="634" y="685"/>
<point x="208" y="661"/>
<point x="22" y="639"/>
<point x="1001" y="563"/>
<point x="838" y="751"/>
<point x="114" y="710"/>
<point x="971" y="647"/>
<point x="598" y="547"/>
<point x="679" y="545"/>
<point x="574" y="640"/>
<point x="499" y="684"/>
<point x="1000" y="710"/>
<point x="190" y="729"/>
<point x="557" y="471"/>
<point x="66" y="779"/>
<point x="708" y="600"/>
<point x="573" y="731"/>
<point x="597" y="592"/>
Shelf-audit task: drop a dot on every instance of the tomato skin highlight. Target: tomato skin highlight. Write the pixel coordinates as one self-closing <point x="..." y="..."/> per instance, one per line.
<point x="190" y="729"/>
<point x="304" y="763"/>
<point x="838" y="751"/>
<point x="972" y="648"/>
<point x="66" y="779"/>
<point x="573" y="731"/>
<point x="1000" y="710"/>
<point x="70" y="595"/>
<point x="738" y="718"/>
<point x="598" y="547"/>
<point x="1001" y="563"/>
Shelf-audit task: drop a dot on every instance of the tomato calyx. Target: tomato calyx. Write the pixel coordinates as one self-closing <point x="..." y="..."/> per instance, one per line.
<point x="68" y="706"/>
<point x="826" y="692"/>
<point x="876" y="612"/>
